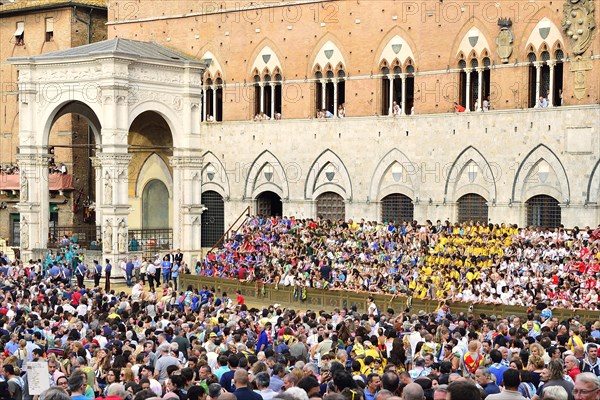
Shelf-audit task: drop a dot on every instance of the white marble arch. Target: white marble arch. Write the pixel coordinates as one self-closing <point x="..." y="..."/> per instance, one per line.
<point x="214" y="176"/>
<point x="328" y="173"/>
<point x="395" y="173"/>
<point x="165" y="112"/>
<point x="144" y="175"/>
<point x="266" y="62"/>
<point x="541" y="172"/>
<point x="593" y="187"/>
<point x="91" y="112"/>
<point x="544" y="32"/>
<point x="397" y="48"/>
<point x="329" y="54"/>
<point x="474" y="41"/>
<point x="266" y="173"/>
<point x="470" y="173"/>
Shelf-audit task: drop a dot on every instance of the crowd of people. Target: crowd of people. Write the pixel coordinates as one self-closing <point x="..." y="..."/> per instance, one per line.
<point x="197" y="343"/>
<point x="9" y="169"/>
<point x="469" y="262"/>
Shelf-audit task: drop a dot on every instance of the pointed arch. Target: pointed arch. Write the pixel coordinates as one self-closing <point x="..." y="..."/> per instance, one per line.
<point x="265" y="57"/>
<point x="473" y="27"/>
<point x="215" y="68"/>
<point x="387" y="180"/>
<point x="470" y="173"/>
<point x="394" y="47"/>
<point x="593" y="187"/>
<point x="266" y="173"/>
<point x="153" y="168"/>
<point x="318" y="57"/>
<point x="328" y="173"/>
<point x="541" y="29"/>
<point x="214" y="176"/>
<point x="526" y="184"/>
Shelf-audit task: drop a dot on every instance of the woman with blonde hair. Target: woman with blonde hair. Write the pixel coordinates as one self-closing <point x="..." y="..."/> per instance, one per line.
<point x="126" y="375"/>
<point x="21" y="353"/>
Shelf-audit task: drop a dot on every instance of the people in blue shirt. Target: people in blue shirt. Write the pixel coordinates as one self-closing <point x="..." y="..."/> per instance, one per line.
<point x="175" y="275"/>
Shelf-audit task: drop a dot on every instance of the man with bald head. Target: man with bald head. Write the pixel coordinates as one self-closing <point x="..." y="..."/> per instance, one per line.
<point x="242" y="391"/>
<point x="413" y="391"/>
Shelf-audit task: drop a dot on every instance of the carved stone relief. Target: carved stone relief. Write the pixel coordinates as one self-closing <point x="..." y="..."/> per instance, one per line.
<point x="504" y="39"/>
<point x="579" y="24"/>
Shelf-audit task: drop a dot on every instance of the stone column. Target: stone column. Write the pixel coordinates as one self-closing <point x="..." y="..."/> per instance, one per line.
<point x="551" y="65"/>
<point x="186" y="210"/>
<point x="115" y="205"/>
<point x="323" y="92"/>
<point x="402" y="83"/>
<point x="97" y="165"/>
<point x="479" y="88"/>
<point x="262" y="97"/>
<point x="335" y="99"/>
<point x="34" y="205"/>
<point x="538" y="84"/>
<point x="468" y="94"/>
<point x="391" y="105"/>
<point x="204" y="103"/>
<point x="272" y="85"/>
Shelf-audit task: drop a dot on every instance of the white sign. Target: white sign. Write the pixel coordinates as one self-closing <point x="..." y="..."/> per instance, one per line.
<point x="37" y="377"/>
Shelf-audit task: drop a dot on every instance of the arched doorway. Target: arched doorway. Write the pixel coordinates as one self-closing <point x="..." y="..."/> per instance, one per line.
<point x="472" y="207"/>
<point x="269" y="204"/>
<point x="543" y="211"/>
<point x="154" y="213"/>
<point x="397" y="207"/>
<point x="213" y="218"/>
<point x="331" y="206"/>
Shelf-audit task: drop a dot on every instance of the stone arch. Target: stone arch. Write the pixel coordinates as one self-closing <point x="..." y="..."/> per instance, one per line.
<point x="219" y="182"/>
<point x="266" y="173"/>
<point x="265" y="58"/>
<point x="393" y="47"/>
<point x="214" y="69"/>
<point x="89" y="112"/>
<point x="470" y="173"/>
<point x="532" y="176"/>
<point x="148" y="172"/>
<point x="166" y="112"/>
<point x="385" y="179"/>
<point x="545" y="31"/>
<point x="319" y="58"/>
<point x="328" y="173"/>
<point x="474" y="27"/>
<point x="593" y="187"/>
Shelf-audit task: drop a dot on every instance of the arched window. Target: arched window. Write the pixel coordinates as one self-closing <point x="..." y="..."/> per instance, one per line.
<point x="213" y="100"/>
<point x="267" y="96"/>
<point x="331" y="206"/>
<point x="397" y="208"/>
<point x="543" y="211"/>
<point x="557" y="81"/>
<point x="533" y="80"/>
<point x="409" y="90"/>
<point x="330" y="92"/>
<point x="213" y="218"/>
<point x="472" y="207"/>
<point x="468" y="83"/>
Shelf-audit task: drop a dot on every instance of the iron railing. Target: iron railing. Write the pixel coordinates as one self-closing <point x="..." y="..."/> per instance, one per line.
<point x="150" y="242"/>
<point x="85" y="236"/>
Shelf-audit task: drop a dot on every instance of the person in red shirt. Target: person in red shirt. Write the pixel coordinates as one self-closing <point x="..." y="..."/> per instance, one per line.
<point x="240" y="298"/>
<point x="458" y="107"/>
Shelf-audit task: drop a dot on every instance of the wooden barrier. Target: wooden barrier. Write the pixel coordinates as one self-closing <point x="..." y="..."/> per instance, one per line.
<point x="320" y="299"/>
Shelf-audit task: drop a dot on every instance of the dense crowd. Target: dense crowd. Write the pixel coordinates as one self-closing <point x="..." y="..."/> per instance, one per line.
<point x="470" y="262"/>
<point x="195" y="343"/>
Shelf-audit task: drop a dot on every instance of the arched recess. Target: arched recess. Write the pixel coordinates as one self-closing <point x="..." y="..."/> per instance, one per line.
<point x="266" y="174"/>
<point x="214" y="176"/>
<point x="154" y="214"/>
<point x="322" y="54"/>
<point x="214" y="69"/>
<point x="395" y="173"/>
<point x="167" y="113"/>
<point x="543" y="211"/>
<point x="470" y="173"/>
<point x="466" y="43"/>
<point x="87" y="111"/>
<point x="541" y="172"/>
<point x="328" y="173"/>
<point x="154" y="167"/>
<point x="265" y="57"/>
<point x="545" y="32"/>
<point x="394" y="46"/>
<point x="213" y="218"/>
<point x="472" y="207"/>
<point x="593" y="188"/>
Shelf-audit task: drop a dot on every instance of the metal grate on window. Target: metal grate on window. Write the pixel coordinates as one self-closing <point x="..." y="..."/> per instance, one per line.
<point x="472" y="207"/>
<point x="531" y="57"/>
<point x="213" y="218"/>
<point x="462" y="64"/>
<point x="543" y="211"/>
<point x="559" y="55"/>
<point x="545" y="56"/>
<point x="331" y="206"/>
<point x="397" y="208"/>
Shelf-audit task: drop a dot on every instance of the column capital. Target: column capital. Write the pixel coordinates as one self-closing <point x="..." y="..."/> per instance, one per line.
<point x="468" y="70"/>
<point x="114" y="158"/>
<point x="403" y="75"/>
<point x="479" y="69"/>
<point x="551" y="63"/>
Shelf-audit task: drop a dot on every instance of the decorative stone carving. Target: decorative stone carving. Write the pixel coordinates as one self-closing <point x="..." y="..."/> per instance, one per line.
<point x="24" y="188"/>
<point x="144" y="73"/>
<point x="504" y="39"/>
<point x="24" y="234"/>
<point x="108" y="190"/>
<point x="579" y="24"/>
<point x="107" y="239"/>
<point x="175" y="101"/>
<point x="122" y="237"/>
<point x="579" y="68"/>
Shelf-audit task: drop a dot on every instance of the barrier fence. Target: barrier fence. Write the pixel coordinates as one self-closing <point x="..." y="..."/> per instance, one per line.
<point x="320" y="299"/>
